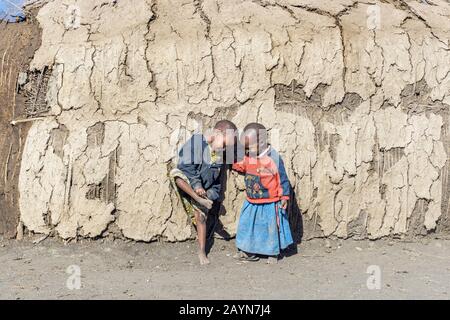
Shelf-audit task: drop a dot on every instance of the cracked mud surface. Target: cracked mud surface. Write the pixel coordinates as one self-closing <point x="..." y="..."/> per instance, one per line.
<point x="359" y="110"/>
<point x="320" y="270"/>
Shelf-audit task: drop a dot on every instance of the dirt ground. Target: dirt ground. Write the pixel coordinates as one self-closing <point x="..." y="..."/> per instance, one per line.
<point x="321" y="269"/>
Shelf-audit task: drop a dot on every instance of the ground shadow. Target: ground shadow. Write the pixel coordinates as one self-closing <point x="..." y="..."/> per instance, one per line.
<point x="296" y="225"/>
<point x="213" y="224"/>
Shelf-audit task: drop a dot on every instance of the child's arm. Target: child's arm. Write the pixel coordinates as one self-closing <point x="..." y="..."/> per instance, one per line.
<point x="284" y="180"/>
<point x="213" y="193"/>
<point x="239" y="166"/>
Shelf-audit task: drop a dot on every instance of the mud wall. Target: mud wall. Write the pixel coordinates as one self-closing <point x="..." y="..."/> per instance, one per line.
<point x="357" y="96"/>
<point x="18" y="42"/>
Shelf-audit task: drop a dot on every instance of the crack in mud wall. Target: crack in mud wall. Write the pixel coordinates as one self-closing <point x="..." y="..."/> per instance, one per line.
<point x="356" y="95"/>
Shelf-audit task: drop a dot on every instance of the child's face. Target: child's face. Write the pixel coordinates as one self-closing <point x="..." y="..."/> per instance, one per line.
<point x="222" y="140"/>
<point x="251" y="146"/>
<point x="251" y="150"/>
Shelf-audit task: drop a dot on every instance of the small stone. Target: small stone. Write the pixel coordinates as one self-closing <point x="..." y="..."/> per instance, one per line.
<point x="358" y="248"/>
<point x="401" y="271"/>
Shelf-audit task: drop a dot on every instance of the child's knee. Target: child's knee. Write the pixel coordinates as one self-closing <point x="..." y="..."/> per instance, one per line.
<point x="180" y="183"/>
<point x="200" y="217"/>
<point x="177" y="180"/>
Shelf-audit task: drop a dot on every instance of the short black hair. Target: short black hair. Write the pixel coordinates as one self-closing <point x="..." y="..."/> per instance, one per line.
<point x="224" y="125"/>
<point x="255" y="126"/>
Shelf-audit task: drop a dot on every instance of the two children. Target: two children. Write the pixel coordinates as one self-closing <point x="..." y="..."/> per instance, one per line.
<point x="263" y="225"/>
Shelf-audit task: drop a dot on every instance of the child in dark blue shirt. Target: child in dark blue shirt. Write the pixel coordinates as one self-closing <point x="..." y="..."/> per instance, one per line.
<point x="197" y="176"/>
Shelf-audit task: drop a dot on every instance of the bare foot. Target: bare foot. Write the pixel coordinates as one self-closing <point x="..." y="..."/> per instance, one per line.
<point x="272" y="260"/>
<point x="205" y="202"/>
<point x="203" y="258"/>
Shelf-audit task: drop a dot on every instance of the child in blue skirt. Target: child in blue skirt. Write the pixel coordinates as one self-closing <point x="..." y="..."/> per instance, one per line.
<point x="263" y="223"/>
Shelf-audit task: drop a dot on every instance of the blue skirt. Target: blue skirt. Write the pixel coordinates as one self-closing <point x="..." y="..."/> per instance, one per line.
<point x="259" y="231"/>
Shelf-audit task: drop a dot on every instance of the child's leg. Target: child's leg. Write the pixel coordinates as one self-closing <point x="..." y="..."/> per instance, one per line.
<point x="186" y="187"/>
<point x="201" y="235"/>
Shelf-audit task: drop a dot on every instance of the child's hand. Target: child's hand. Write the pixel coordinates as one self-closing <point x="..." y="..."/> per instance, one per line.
<point x="284" y="204"/>
<point x="201" y="192"/>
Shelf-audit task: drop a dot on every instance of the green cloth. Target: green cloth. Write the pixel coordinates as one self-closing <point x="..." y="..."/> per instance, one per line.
<point x="189" y="205"/>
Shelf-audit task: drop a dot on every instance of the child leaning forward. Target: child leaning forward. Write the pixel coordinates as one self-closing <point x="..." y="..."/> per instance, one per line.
<point x="197" y="176"/>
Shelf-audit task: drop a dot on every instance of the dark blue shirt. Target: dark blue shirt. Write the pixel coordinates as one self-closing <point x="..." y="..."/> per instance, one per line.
<point x="196" y="163"/>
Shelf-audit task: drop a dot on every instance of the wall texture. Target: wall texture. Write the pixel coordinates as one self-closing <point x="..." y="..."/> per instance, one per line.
<point x="357" y="95"/>
<point x="18" y="42"/>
